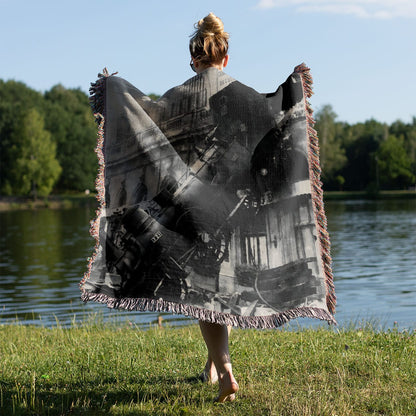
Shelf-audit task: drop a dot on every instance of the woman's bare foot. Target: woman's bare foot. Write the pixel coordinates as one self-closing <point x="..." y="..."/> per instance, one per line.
<point x="216" y="338"/>
<point x="228" y="388"/>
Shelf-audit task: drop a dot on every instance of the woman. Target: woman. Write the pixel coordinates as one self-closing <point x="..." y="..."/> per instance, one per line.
<point x="209" y="49"/>
<point x="211" y="203"/>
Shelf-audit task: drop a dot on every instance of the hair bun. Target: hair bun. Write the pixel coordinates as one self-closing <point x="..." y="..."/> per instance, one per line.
<point x="211" y="25"/>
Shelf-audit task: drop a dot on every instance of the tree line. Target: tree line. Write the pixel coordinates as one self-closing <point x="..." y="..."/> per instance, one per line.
<point x="47" y="140"/>
<point x="47" y="143"/>
<point x="367" y="156"/>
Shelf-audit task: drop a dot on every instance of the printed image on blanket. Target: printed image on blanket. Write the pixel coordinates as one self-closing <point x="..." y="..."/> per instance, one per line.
<point x="211" y="203"/>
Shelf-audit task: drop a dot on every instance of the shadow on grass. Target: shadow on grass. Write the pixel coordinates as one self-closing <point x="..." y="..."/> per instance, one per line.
<point x="99" y="396"/>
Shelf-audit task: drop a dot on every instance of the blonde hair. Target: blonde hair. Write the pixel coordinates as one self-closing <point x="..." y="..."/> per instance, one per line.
<point x="209" y="42"/>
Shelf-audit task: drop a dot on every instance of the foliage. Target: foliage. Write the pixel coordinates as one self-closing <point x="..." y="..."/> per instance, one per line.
<point x="35" y="168"/>
<point x="109" y="369"/>
<point x="365" y="156"/>
<point x="69" y="131"/>
<point x="71" y="123"/>
<point x="394" y="163"/>
<point x="153" y="96"/>
<point x="15" y="100"/>
<point x="332" y="154"/>
<point x="358" y="157"/>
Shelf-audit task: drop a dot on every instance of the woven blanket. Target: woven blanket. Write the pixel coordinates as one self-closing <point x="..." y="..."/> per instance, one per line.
<point x="210" y="202"/>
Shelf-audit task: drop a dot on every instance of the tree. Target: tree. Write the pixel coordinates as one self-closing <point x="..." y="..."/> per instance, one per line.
<point x="408" y="133"/>
<point x="7" y="121"/>
<point x="332" y="154"/>
<point x="361" y="142"/>
<point x="153" y="96"/>
<point x="35" y="169"/>
<point x="71" y="123"/>
<point x="15" y="99"/>
<point x="15" y="92"/>
<point x="394" y="164"/>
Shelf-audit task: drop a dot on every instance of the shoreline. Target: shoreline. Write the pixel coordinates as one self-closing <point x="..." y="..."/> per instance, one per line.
<point x="67" y="201"/>
<point x="348" y="195"/>
<point x="61" y="201"/>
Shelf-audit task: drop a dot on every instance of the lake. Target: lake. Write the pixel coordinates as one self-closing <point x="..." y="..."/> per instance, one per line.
<point x="43" y="256"/>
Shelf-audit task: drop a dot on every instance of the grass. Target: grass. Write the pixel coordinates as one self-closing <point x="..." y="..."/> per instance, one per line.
<point x="108" y="369"/>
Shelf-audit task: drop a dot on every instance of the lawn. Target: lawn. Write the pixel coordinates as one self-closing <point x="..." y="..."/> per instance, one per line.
<point x="119" y="369"/>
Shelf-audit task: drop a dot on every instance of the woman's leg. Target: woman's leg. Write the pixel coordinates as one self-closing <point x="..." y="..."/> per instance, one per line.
<point x="216" y="339"/>
<point x="209" y="374"/>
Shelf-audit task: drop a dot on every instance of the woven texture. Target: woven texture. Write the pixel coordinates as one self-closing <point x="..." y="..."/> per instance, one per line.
<point x="210" y="202"/>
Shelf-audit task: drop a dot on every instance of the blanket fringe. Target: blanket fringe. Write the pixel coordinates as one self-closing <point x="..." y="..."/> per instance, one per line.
<point x="97" y="92"/>
<point x="317" y="193"/>
<point x="245" y="322"/>
<point x="97" y="103"/>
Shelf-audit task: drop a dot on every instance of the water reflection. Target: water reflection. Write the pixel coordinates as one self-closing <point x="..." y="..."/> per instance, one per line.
<point x="374" y="260"/>
<point x="43" y="257"/>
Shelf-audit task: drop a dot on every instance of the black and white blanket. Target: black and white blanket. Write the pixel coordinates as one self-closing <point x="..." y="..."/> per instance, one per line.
<point x="211" y="202"/>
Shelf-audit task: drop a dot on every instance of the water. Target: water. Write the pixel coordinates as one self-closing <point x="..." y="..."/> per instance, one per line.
<point x="43" y="257"/>
<point x="374" y="260"/>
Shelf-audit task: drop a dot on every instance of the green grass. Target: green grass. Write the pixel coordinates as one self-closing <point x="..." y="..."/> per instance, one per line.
<point x="109" y="369"/>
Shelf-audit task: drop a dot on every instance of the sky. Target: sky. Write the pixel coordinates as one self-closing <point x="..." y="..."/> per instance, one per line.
<point x="362" y="53"/>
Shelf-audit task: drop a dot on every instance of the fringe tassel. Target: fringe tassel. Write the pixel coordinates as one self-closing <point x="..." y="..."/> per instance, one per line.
<point x="97" y="103"/>
<point x="245" y="322"/>
<point x="97" y="93"/>
<point x="317" y="193"/>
